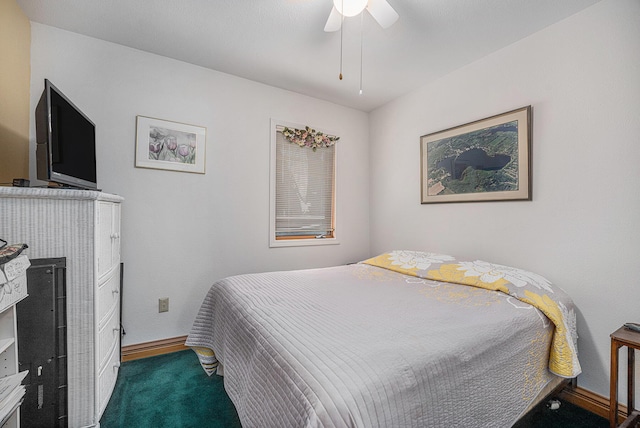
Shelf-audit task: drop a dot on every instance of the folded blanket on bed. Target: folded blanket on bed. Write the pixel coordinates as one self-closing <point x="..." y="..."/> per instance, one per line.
<point x="525" y="286"/>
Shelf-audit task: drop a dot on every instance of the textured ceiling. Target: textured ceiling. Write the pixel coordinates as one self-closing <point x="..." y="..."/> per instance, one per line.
<point x="282" y="42"/>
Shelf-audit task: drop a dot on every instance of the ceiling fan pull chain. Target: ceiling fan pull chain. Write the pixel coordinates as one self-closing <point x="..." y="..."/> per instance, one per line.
<point x="361" y="43"/>
<point x="341" y="27"/>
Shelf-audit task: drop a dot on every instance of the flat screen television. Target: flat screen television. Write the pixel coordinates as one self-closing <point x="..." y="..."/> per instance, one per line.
<point x="65" y="141"/>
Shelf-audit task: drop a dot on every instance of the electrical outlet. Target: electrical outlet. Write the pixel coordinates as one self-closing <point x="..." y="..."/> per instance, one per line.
<point x="163" y="304"/>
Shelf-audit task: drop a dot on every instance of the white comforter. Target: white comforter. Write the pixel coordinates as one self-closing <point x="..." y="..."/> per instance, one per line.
<point x="361" y="346"/>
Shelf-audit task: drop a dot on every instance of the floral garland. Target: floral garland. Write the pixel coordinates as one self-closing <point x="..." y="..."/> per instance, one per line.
<point x="308" y="137"/>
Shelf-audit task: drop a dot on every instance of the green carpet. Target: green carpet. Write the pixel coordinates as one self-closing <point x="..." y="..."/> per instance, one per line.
<point x="168" y="391"/>
<point x="173" y="391"/>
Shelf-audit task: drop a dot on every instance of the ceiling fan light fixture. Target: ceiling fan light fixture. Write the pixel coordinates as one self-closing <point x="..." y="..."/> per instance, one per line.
<point x="350" y="8"/>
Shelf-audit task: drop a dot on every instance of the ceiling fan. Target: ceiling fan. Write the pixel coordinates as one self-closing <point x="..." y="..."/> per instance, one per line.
<point x="381" y="11"/>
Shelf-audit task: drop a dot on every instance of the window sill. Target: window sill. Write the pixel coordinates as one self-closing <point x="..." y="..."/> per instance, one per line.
<point x="302" y="242"/>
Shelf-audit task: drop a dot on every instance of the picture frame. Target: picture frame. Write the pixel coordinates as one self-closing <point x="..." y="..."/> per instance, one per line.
<point x="485" y="160"/>
<point x="169" y="145"/>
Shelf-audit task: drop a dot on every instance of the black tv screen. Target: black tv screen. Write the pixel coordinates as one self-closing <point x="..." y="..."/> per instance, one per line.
<point x="66" y="141"/>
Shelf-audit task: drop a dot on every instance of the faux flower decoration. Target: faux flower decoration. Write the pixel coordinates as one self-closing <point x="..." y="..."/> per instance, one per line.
<point x="308" y="137"/>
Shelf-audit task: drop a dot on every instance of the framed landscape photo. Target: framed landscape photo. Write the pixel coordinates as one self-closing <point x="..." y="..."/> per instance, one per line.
<point x="486" y="160"/>
<point x="163" y="144"/>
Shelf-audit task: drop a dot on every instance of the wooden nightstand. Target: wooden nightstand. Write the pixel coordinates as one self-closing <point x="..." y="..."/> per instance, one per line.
<point x="631" y="339"/>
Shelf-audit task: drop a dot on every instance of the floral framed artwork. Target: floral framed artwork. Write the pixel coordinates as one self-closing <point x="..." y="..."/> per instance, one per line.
<point x="485" y="160"/>
<point x="163" y="144"/>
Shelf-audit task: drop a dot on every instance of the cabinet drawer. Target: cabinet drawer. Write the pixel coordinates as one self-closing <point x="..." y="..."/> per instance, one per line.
<point x="108" y="295"/>
<point x="107" y="379"/>
<point x="108" y="337"/>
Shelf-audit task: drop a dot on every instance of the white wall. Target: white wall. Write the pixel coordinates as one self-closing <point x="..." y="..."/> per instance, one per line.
<point x="582" y="229"/>
<point x="181" y="231"/>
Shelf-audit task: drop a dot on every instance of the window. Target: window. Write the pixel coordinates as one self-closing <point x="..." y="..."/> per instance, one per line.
<point x="302" y="186"/>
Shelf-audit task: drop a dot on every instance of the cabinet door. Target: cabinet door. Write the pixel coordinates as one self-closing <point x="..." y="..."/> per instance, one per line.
<point x="108" y="236"/>
<point x="115" y="243"/>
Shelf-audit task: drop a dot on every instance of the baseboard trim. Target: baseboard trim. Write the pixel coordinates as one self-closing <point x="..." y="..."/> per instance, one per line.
<point x="592" y="402"/>
<point x="151" y="349"/>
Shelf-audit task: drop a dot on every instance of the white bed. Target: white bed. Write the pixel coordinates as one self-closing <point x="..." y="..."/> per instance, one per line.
<point x="383" y="344"/>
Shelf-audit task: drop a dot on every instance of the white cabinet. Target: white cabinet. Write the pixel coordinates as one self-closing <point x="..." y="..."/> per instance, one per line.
<point x="108" y="300"/>
<point x="84" y="227"/>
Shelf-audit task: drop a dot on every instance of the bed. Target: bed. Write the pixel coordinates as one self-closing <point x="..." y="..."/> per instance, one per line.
<point x="404" y="339"/>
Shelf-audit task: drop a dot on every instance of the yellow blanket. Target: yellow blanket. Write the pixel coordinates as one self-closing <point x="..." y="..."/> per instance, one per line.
<point x="525" y="286"/>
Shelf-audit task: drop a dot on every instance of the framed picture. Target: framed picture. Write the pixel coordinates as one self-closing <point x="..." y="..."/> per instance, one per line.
<point x="486" y="160"/>
<point x="163" y="144"/>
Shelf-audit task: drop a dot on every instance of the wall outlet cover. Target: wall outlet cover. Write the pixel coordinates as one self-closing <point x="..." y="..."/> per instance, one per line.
<point x="163" y="304"/>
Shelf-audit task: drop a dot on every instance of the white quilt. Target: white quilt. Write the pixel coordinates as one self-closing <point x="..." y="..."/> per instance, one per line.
<point x="362" y="346"/>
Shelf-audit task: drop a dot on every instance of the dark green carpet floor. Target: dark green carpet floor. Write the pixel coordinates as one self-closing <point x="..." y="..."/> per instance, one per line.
<point x="173" y="391"/>
<point x="168" y="391"/>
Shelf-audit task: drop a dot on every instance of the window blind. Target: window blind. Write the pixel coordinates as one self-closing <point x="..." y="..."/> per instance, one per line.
<point x="304" y="190"/>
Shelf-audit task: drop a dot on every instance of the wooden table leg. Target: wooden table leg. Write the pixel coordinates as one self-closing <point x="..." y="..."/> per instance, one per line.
<point x="613" y="391"/>
<point x="630" y="380"/>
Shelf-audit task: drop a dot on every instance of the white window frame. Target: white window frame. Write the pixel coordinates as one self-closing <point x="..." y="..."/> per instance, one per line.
<point x="296" y="242"/>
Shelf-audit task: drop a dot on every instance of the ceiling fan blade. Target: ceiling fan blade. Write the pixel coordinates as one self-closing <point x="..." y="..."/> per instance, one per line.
<point x="382" y="12"/>
<point x="334" y="22"/>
